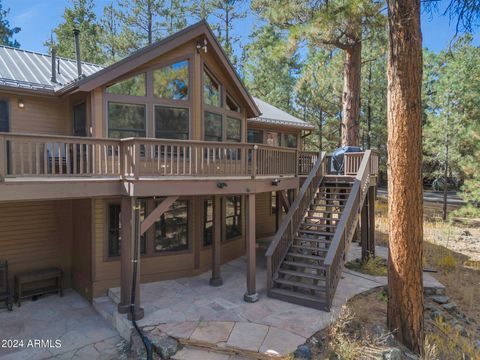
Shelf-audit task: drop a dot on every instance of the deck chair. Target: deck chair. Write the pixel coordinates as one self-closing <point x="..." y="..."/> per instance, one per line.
<point x="5" y="295"/>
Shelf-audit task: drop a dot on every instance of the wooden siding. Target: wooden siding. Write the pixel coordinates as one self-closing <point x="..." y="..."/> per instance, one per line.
<point x="41" y="115"/>
<point x="35" y="235"/>
<point x="265" y="224"/>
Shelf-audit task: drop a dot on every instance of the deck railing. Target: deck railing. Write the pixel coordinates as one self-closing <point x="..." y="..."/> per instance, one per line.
<point x="290" y="224"/>
<point x="345" y="229"/>
<point x="28" y="155"/>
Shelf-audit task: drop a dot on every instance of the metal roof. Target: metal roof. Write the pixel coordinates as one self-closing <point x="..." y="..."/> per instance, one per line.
<point x="32" y="70"/>
<point x="273" y="115"/>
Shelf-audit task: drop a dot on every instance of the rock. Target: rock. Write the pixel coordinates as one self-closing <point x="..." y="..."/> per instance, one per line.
<point x="392" y="354"/>
<point x="440" y="291"/>
<point x="378" y="330"/>
<point x="430" y="307"/>
<point x="303" y="352"/>
<point x="466" y="233"/>
<point x="165" y="346"/>
<point x="410" y="356"/>
<point x="390" y="340"/>
<point x="477" y="344"/>
<point x="449" y="306"/>
<point x="436" y="314"/>
<point x="440" y="299"/>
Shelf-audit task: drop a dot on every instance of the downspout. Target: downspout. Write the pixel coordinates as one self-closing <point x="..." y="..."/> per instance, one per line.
<point x="145" y="340"/>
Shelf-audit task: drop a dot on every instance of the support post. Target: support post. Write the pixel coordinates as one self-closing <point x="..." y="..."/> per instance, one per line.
<point x="216" y="279"/>
<point x="371" y="216"/>
<point x="251" y="295"/>
<point x="127" y="256"/>
<point x="364" y="231"/>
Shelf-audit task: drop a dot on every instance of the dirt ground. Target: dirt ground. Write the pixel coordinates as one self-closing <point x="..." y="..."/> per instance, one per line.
<point x="452" y="252"/>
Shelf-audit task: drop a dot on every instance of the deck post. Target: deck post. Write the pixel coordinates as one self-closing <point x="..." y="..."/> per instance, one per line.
<point x="127" y="255"/>
<point x="371" y="216"/>
<point x="251" y="295"/>
<point x="216" y="279"/>
<point x="364" y="231"/>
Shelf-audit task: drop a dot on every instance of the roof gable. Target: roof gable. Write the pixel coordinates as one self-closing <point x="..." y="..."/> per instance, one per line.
<point x="150" y="52"/>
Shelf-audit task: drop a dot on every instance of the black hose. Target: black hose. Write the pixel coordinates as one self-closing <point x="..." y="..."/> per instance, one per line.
<point x="145" y="340"/>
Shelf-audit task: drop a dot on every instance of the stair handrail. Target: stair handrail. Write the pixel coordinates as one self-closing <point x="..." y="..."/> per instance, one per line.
<point x="345" y="229"/>
<point x="285" y="234"/>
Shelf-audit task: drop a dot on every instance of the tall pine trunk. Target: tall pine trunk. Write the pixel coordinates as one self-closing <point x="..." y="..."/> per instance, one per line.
<point x="351" y="95"/>
<point x="405" y="200"/>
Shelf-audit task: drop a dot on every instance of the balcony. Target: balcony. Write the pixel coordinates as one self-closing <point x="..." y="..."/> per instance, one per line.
<point x="119" y="166"/>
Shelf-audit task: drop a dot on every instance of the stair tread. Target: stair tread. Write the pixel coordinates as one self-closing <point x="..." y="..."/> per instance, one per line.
<point x="318" y="225"/>
<point x="320" y="218"/>
<point x="312" y="248"/>
<point x="327" y="205"/>
<point x="324" y="233"/>
<point x="305" y="256"/>
<point x="301" y="274"/>
<point x="320" y="240"/>
<point x="304" y="265"/>
<point x="326" y="211"/>
<point x="288" y="293"/>
<point x="300" y="284"/>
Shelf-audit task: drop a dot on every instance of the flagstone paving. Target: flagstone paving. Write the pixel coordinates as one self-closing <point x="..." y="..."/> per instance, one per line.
<point x="194" y="312"/>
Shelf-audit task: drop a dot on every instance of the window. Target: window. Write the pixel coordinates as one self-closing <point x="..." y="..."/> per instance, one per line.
<point x="234" y="129"/>
<point x="290" y="140"/>
<point x="171" y="230"/>
<point x="255" y="136"/>
<point x="232" y="105"/>
<point x="207" y="222"/>
<point x="273" y="203"/>
<point x="79" y="120"/>
<point x="213" y="127"/>
<point x="171" y="82"/>
<point x="4" y="119"/>
<point x="114" y="229"/>
<point x="233" y="214"/>
<point x="126" y="120"/>
<point x="211" y="90"/>
<point x="134" y="86"/>
<point x="272" y="138"/>
<point x="171" y="123"/>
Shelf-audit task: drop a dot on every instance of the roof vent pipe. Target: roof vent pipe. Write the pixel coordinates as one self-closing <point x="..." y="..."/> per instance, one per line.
<point x="54" y="67"/>
<point x="76" y="34"/>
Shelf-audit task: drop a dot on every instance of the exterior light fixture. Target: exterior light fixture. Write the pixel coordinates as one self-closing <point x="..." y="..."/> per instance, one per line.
<point x="275" y="182"/>
<point x="202" y="46"/>
<point x="221" y="185"/>
<point x="21" y="104"/>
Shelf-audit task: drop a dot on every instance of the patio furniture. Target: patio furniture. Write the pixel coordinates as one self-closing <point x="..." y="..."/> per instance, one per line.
<point x="38" y="276"/>
<point x="5" y="294"/>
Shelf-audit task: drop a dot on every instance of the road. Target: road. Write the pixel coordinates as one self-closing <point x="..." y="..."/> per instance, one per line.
<point x="432" y="196"/>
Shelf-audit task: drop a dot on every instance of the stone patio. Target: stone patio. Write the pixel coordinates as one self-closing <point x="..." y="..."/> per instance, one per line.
<point x="192" y="311"/>
<point x="83" y="333"/>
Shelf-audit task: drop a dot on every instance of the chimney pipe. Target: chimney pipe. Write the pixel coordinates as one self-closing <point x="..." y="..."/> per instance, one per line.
<point x="54" y="68"/>
<point x="76" y="33"/>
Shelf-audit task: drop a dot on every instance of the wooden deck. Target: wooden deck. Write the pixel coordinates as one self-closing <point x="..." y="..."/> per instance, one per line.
<point x="39" y="166"/>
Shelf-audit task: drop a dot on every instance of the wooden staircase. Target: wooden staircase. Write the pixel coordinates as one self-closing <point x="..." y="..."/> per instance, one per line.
<point x="305" y="258"/>
<point x="301" y="278"/>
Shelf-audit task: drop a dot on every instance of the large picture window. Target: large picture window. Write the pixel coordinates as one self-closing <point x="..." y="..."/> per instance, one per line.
<point x="171" y="230"/>
<point x="171" y="82"/>
<point x="234" y="129"/>
<point x="233" y="216"/>
<point x="134" y="86"/>
<point x="213" y="127"/>
<point x="171" y="123"/>
<point x="272" y="138"/>
<point x="212" y="94"/>
<point x="126" y="120"/>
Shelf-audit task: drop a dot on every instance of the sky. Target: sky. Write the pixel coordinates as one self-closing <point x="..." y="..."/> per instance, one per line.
<point x="37" y="18"/>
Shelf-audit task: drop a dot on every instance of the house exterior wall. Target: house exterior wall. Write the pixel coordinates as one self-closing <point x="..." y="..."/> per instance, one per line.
<point x="162" y="266"/>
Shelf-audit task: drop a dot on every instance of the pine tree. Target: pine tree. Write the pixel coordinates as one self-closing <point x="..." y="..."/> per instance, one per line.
<point x="335" y="23"/>
<point x="405" y="195"/>
<point x="270" y="67"/>
<point x="7" y="32"/>
<point x="111" y="39"/>
<point x="81" y="16"/>
<point x="176" y="16"/>
<point x="226" y="12"/>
